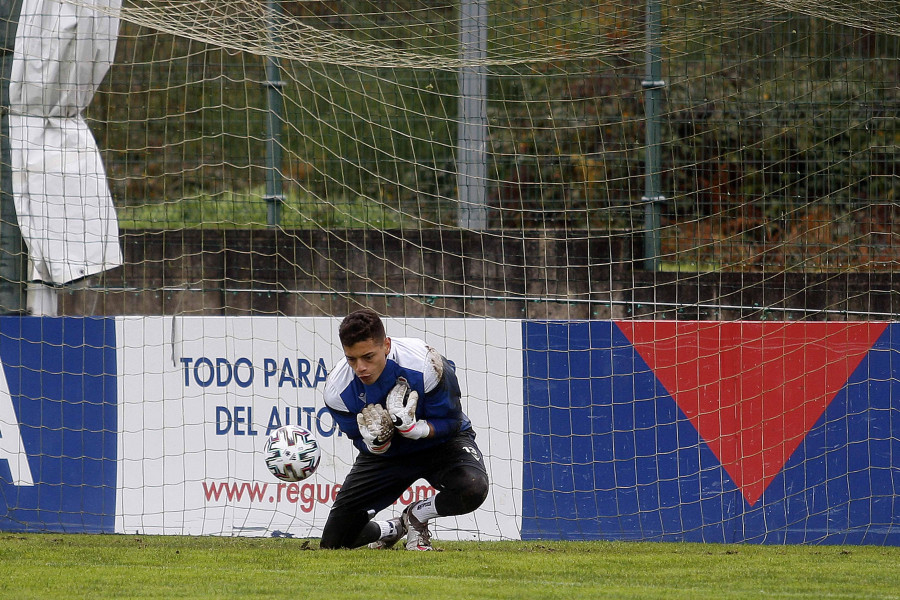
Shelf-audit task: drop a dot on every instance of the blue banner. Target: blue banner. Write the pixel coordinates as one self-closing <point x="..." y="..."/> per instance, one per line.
<point x="610" y="454"/>
<point x="61" y="377"/>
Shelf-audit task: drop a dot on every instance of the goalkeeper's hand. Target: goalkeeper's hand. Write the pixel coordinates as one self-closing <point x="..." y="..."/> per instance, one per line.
<point x="376" y="427"/>
<point x="401" y="404"/>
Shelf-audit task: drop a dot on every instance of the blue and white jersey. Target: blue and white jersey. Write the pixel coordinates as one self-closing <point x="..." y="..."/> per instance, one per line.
<point x="425" y="370"/>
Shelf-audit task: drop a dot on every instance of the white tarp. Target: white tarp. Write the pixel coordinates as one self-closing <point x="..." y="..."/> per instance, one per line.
<point x="62" y="198"/>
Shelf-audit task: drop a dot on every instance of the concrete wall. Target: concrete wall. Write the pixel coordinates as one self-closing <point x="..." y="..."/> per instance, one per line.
<point x="447" y="273"/>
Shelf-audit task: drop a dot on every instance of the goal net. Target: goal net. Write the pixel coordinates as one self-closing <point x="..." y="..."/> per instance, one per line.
<point x="656" y="238"/>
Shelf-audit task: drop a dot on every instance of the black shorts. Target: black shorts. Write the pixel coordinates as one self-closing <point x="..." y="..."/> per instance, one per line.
<point x="376" y="482"/>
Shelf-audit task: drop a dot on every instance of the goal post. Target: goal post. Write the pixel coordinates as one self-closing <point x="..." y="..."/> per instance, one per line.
<point x="657" y="239"/>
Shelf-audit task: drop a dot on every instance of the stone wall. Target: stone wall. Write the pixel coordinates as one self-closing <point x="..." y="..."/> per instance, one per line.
<point x="448" y="273"/>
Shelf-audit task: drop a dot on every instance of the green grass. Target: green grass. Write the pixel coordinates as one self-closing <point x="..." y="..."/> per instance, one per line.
<point x="130" y="566"/>
<point x="248" y="209"/>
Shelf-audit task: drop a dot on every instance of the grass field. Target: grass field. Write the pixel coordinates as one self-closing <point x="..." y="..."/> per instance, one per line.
<point x="130" y="566"/>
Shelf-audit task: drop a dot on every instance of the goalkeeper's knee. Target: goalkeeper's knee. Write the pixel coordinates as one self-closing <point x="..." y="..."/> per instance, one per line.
<point x="344" y="529"/>
<point x="465" y="489"/>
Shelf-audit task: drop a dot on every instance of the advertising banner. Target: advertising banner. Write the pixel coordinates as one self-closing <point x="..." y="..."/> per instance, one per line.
<point x="766" y="432"/>
<point x="761" y="432"/>
<point x="58" y="424"/>
<point x="199" y="395"/>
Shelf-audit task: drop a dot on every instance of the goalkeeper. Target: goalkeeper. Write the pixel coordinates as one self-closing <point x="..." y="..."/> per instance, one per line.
<point x="398" y="400"/>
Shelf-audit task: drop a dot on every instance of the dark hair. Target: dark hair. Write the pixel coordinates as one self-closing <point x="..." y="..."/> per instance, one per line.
<point x="361" y="325"/>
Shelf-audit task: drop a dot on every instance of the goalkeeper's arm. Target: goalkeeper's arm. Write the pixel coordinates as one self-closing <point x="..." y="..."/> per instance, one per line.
<point x="436" y="413"/>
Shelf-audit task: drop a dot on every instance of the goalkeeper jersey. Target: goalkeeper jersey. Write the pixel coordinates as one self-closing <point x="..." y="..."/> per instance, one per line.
<point x="426" y="371"/>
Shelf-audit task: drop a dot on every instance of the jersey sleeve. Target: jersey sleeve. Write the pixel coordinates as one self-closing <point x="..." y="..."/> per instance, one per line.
<point x="337" y="405"/>
<point x="442" y="406"/>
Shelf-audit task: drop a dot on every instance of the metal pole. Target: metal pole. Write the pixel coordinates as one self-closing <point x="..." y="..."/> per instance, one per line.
<point x="12" y="247"/>
<point x="275" y="91"/>
<point x="653" y="85"/>
<point x="471" y="161"/>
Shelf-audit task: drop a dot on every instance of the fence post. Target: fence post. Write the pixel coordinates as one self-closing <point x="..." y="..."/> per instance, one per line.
<point x="471" y="161"/>
<point x="653" y="85"/>
<point x="274" y="116"/>
<point x="12" y="246"/>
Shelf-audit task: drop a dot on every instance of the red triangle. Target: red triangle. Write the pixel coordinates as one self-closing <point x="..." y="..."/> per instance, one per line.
<point x="753" y="390"/>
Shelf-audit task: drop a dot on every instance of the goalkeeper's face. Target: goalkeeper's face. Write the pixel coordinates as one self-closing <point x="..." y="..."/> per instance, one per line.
<point x="368" y="358"/>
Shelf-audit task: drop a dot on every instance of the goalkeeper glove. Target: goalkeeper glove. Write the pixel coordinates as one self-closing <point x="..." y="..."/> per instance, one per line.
<point x="401" y="404"/>
<point x="376" y="428"/>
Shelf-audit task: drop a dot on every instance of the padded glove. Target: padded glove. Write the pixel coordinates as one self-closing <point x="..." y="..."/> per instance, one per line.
<point x="401" y="405"/>
<point x="376" y="428"/>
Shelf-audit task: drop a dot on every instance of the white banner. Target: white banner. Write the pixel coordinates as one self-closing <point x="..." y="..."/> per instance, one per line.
<point x="198" y="396"/>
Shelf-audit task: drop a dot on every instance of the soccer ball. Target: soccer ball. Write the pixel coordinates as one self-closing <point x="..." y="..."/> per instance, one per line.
<point x="292" y="453"/>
